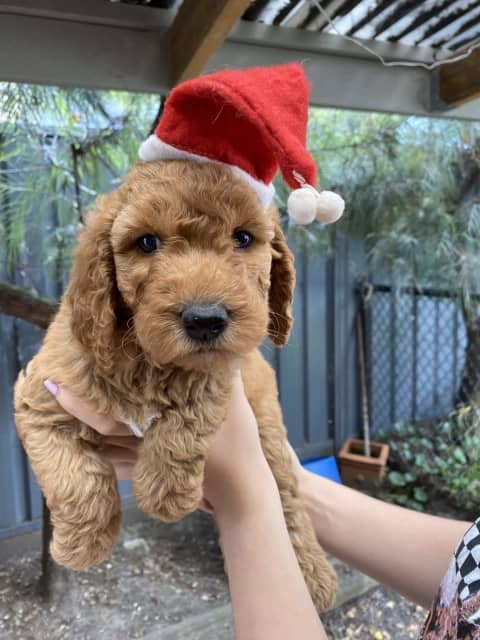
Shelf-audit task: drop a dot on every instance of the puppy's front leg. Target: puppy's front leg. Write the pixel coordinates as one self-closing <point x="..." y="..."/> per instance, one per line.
<point x="168" y="475"/>
<point x="79" y="487"/>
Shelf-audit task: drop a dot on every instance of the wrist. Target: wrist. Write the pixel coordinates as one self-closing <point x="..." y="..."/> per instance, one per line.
<point x="249" y="495"/>
<point x="318" y="496"/>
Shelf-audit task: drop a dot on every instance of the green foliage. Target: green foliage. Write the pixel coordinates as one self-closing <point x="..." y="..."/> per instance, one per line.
<point x="436" y="461"/>
<point x="59" y="148"/>
<point x="412" y="190"/>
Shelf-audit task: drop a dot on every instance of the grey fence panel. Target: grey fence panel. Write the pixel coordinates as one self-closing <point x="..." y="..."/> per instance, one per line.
<point x="316" y="431"/>
<point x="318" y="370"/>
<point x="14" y="502"/>
<point x="349" y="266"/>
<point x="290" y="370"/>
<point x="27" y="343"/>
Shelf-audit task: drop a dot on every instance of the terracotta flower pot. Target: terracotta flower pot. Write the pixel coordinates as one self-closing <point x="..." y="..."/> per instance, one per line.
<point x="356" y="468"/>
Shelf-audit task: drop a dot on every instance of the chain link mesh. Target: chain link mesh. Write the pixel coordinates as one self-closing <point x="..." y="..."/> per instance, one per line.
<point x="415" y="353"/>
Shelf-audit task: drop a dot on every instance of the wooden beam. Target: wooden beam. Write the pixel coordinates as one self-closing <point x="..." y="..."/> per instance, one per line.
<point x="198" y="30"/>
<point x="460" y="81"/>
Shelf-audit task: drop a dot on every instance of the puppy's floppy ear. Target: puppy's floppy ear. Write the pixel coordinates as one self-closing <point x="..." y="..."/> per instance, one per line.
<point x="282" y="285"/>
<point x="92" y="292"/>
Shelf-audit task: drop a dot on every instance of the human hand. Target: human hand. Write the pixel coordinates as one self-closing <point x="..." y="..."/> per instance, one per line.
<point x="236" y="470"/>
<point x="309" y="483"/>
<point x="119" y="446"/>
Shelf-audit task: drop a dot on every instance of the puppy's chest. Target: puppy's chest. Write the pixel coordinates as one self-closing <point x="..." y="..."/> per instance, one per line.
<point x="192" y="417"/>
<point x="192" y="408"/>
<point x="140" y="418"/>
<point x="139" y="428"/>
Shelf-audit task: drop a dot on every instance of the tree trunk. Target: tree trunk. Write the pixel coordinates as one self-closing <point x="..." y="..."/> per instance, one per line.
<point x="20" y="303"/>
<point x="469" y="390"/>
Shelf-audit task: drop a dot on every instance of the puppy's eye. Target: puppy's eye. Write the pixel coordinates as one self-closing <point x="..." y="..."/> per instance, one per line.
<point x="148" y="243"/>
<point x="243" y="239"/>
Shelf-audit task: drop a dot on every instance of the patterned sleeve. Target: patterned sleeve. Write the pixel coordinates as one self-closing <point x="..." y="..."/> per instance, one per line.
<point x="455" y="613"/>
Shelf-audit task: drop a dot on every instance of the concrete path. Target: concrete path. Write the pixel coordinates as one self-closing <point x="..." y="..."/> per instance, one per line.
<point x="216" y="624"/>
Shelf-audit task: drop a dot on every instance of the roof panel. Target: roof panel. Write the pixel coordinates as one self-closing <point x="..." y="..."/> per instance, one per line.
<point x="442" y="24"/>
<point x="414" y="28"/>
<point x="446" y="25"/>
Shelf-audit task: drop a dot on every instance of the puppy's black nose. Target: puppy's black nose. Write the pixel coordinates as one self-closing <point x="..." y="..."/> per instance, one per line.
<point x="204" y="322"/>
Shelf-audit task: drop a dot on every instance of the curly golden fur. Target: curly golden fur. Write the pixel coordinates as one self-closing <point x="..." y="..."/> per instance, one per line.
<point x="118" y="343"/>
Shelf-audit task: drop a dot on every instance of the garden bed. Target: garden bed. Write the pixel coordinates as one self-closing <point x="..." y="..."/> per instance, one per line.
<point x="434" y="465"/>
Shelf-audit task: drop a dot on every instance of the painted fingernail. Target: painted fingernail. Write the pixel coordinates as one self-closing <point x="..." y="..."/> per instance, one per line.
<point x="51" y="386"/>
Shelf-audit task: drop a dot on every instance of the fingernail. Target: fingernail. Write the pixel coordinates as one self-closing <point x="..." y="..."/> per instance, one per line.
<point x="51" y="386"/>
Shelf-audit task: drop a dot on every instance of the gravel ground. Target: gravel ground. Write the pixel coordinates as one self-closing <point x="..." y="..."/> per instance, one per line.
<point x="157" y="576"/>
<point x="382" y="614"/>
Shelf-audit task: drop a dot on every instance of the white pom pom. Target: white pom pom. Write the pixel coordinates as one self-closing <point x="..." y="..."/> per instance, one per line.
<point x="302" y="205"/>
<point x="330" y="207"/>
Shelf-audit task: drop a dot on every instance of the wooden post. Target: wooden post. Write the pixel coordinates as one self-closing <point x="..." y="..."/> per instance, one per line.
<point x="198" y="30"/>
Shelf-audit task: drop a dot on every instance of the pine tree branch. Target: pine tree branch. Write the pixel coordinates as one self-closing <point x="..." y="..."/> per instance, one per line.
<point x="15" y="301"/>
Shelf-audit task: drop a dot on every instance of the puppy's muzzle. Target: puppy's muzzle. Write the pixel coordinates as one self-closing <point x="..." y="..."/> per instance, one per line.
<point x="204" y="322"/>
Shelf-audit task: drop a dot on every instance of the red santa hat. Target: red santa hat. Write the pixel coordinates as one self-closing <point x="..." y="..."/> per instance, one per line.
<point x="254" y="121"/>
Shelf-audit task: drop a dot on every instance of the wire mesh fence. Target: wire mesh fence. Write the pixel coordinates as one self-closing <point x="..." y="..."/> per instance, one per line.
<point x="416" y="354"/>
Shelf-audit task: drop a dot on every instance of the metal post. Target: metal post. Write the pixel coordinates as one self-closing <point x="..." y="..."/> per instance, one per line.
<point x="45" y="577"/>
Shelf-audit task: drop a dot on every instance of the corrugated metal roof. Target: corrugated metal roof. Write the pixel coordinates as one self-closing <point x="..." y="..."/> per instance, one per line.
<point x="447" y="25"/>
<point x="444" y="25"/>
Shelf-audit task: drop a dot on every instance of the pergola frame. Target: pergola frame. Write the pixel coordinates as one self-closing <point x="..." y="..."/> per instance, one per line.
<point x="98" y="44"/>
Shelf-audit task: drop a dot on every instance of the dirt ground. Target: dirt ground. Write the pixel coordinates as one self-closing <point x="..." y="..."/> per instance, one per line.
<point x="381" y="614"/>
<point x="157" y="576"/>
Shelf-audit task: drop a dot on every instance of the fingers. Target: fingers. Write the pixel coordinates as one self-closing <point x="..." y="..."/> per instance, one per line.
<point x="105" y="425"/>
<point x="125" y="442"/>
<point x="118" y="455"/>
<point x="123" y="470"/>
<point x="121" y="459"/>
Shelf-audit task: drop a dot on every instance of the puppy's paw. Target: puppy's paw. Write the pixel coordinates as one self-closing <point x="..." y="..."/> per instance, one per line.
<point x="168" y="496"/>
<point x="79" y="550"/>
<point x="167" y="505"/>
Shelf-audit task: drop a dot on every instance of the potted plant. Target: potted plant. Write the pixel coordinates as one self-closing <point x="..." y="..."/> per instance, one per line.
<point x="362" y="460"/>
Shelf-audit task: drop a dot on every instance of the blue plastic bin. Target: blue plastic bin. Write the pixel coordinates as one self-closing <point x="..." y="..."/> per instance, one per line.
<point x="326" y="467"/>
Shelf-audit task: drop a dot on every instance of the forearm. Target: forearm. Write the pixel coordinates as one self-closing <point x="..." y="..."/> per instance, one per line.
<point x="268" y="592"/>
<point x="406" y="550"/>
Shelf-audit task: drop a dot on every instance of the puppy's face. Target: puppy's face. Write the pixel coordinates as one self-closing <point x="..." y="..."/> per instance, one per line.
<point x="192" y="252"/>
<point x="199" y="267"/>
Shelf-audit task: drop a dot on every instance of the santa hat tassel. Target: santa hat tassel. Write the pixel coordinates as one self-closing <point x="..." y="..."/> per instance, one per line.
<point x="306" y="204"/>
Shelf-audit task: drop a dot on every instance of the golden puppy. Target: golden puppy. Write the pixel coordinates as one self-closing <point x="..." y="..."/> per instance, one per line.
<point x="179" y="276"/>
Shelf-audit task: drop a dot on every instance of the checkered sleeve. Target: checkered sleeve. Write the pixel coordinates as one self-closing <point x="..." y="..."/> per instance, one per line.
<point x="467" y="560"/>
<point x="455" y="613"/>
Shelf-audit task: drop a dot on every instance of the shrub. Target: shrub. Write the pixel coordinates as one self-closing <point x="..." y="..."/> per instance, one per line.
<point x="436" y="462"/>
